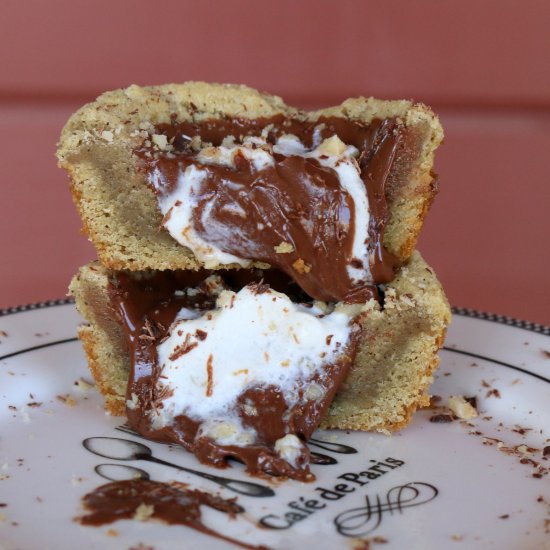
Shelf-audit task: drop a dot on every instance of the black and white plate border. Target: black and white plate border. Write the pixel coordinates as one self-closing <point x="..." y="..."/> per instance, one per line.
<point x="462" y="311"/>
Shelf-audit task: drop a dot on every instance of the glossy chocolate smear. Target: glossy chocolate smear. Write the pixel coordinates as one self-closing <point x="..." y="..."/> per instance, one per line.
<point x="148" y="307"/>
<point x="297" y="201"/>
<point x="143" y="499"/>
<point x="285" y="202"/>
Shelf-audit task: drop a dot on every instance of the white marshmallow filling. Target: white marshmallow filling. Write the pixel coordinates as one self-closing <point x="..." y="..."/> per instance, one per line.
<point x="251" y="339"/>
<point x="179" y="205"/>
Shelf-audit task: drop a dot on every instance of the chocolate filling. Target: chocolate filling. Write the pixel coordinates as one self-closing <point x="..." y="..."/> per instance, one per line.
<point x="149" y="306"/>
<point x="297" y="201"/>
<point x="170" y="504"/>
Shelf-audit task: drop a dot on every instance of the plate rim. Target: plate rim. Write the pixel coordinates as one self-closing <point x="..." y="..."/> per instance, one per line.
<point x="61" y="303"/>
<point x="461" y="311"/>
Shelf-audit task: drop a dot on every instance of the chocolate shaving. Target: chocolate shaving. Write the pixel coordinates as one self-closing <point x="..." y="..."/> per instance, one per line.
<point x="184" y="348"/>
<point x="165" y="219"/>
<point x="151" y="329"/>
<point x="210" y="375"/>
<point x="442" y="418"/>
<point x="160" y="395"/>
<point x="258" y="288"/>
<point x="472" y="401"/>
<point x="520" y="430"/>
<point x="434" y="399"/>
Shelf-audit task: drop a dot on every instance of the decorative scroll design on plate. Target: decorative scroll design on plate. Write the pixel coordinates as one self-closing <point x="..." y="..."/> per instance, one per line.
<point x="361" y="521"/>
<point x="332" y="446"/>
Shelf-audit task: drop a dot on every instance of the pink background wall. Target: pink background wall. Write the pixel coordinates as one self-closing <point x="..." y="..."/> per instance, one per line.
<point x="483" y="66"/>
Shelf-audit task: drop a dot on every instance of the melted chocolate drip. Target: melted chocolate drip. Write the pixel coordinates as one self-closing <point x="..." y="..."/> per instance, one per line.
<point x="172" y="505"/>
<point x="148" y="308"/>
<point x="297" y="201"/>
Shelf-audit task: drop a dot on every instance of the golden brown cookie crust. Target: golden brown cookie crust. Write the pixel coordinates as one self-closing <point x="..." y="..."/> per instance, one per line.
<point x="119" y="211"/>
<point x="388" y="381"/>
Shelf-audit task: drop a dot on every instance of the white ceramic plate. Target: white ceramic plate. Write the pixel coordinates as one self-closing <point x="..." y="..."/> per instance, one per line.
<point x="451" y="485"/>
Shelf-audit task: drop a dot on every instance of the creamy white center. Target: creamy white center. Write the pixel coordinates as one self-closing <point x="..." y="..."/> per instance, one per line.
<point x="179" y="205"/>
<point x="252" y="339"/>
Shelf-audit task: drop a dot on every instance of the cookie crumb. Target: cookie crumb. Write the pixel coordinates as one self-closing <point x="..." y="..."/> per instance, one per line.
<point x="161" y="141"/>
<point x="283" y="248"/>
<point x="301" y="267"/>
<point x="461" y="408"/>
<point x="67" y="399"/>
<point x="107" y="136"/>
<point x="144" y="512"/>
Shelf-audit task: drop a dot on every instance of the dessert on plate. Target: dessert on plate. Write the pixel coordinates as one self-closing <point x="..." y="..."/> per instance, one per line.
<point x="256" y="273"/>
